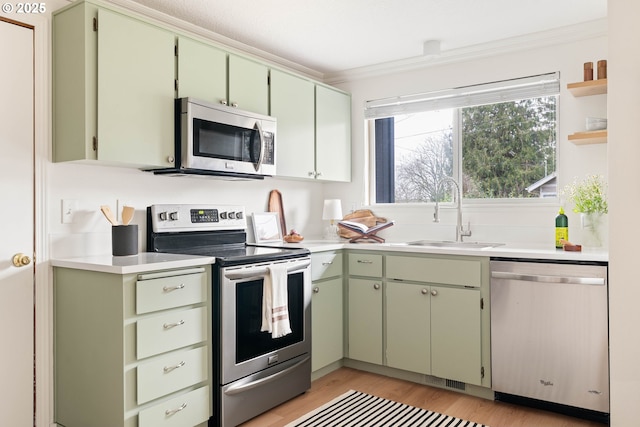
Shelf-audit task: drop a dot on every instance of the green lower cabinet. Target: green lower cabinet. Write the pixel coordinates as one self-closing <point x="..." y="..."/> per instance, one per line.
<point x="365" y="320"/>
<point x="326" y="323"/>
<point x="456" y="334"/>
<point x="408" y="327"/>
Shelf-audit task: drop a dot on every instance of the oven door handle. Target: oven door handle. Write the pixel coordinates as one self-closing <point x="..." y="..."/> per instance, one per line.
<point x="262" y="271"/>
<point x="257" y="383"/>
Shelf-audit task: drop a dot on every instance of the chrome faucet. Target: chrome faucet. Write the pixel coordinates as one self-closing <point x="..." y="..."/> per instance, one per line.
<point x="460" y="231"/>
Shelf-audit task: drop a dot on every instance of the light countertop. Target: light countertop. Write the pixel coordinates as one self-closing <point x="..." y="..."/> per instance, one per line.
<point x="506" y="251"/>
<point x="141" y="263"/>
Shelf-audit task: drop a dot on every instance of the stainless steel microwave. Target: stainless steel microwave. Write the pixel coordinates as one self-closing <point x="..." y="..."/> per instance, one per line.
<point x="216" y="138"/>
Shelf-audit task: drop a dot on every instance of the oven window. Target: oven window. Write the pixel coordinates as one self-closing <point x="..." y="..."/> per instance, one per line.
<point x="250" y="342"/>
<point x="222" y="141"/>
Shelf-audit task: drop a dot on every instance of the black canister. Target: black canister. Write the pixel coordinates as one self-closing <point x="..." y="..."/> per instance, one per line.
<point x="124" y="240"/>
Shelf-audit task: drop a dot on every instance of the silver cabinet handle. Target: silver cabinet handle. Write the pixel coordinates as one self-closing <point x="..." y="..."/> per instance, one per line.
<point x="376" y="286"/>
<point x="434" y="292"/>
<point x="170" y="412"/>
<point x="316" y="290"/>
<point x="327" y="263"/>
<point x="223" y="102"/>
<point x="364" y="261"/>
<point x="425" y="291"/>
<point x="168" y="369"/>
<point x="173" y="325"/>
<point x="234" y="104"/>
<point x="173" y="288"/>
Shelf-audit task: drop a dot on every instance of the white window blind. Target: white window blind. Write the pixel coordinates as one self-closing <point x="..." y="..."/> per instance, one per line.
<point x="468" y="96"/>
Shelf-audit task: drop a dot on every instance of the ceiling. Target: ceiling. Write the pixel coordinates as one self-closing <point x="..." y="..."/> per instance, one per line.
<point x="330" y="36"/>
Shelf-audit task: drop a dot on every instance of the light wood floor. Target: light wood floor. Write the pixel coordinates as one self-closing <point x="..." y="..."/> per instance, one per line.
<point x="493" y="414"/>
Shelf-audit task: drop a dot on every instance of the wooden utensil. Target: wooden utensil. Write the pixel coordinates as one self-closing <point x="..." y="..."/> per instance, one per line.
<point x="106" y="210"/>
<point x="127" y="214"/>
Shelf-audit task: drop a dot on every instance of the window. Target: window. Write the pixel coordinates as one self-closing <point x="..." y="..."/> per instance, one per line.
<point x="497" y="140"/>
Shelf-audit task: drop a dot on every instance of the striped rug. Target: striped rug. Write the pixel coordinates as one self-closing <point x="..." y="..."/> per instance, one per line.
<point x="354" y="408"/>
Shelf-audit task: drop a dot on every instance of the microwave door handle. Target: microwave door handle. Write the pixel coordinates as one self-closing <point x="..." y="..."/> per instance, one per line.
<point x="258" y="127"/>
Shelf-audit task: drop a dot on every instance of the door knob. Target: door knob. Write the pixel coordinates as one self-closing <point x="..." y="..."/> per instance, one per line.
<point x="20" y="260"/>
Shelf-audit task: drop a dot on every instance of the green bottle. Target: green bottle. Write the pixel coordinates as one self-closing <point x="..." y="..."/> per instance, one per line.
<point x="562" y="228"/>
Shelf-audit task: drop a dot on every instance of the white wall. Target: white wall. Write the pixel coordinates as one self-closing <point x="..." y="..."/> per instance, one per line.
<point x="624" y="176"/>
<point x="509" y="223"/>
<point x="91" y="186"/>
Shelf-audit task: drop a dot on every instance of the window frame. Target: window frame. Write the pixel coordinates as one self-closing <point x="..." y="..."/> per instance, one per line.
<point x="435" y="98"/>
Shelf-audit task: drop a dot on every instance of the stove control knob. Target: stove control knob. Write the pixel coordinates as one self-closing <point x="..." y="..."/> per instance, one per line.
<point x="239" y="215"/>
<point x="223" y="215"/>
<point x="232" y="215"/>
<point x="173" y="216"/>
<point x="162" y="216"/>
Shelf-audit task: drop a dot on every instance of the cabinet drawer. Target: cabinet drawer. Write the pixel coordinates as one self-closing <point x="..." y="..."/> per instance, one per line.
<point x="325" y="265"/>
<point x="171" y="373"/>
<point x="365" y="265"/>
<point x="170" y="331"/>
<point x="187" y="410"/>
<point x="173" y="291"/>
<point x="435" y="270"/>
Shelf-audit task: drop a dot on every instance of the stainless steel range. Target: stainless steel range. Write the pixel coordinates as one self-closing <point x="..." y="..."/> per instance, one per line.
<point x="251" y="371"/>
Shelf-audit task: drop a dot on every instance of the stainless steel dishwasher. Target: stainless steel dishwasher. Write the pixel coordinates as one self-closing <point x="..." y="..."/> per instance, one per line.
<point x="549" y="336"/>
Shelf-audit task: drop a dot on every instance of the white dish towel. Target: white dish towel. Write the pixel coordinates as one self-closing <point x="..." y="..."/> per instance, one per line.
<point x="275" y="306"/>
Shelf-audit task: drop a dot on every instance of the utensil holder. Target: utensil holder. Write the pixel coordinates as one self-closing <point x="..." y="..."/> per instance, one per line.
<point x="124" y="240"/>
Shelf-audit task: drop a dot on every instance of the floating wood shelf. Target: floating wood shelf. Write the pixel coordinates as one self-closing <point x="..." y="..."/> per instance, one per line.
<point x="590" y="137"/>
<point x="590" y="87"/>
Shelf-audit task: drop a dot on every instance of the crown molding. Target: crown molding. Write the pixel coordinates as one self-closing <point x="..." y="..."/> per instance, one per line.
<point x="568" y="34"/>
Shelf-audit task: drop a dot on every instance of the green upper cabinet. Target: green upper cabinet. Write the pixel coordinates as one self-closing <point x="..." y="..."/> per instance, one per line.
<point x="333" y="135"/>
<point x="314" y="129"/>
<point x="202" y="71"/>
<point x="113" y="88"/>
<point x="292" y="103"/>
<point x="248" y="85"/>
<point x="135" y="91"/>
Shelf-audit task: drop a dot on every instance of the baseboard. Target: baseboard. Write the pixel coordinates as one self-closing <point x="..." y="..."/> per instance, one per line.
<point x="429" y="380"/>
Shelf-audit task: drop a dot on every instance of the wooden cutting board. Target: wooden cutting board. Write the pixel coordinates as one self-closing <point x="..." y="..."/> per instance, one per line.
<point x="275" y="205"/>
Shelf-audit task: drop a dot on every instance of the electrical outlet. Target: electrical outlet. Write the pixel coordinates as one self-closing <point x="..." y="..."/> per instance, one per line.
<point x="69" y="209"/>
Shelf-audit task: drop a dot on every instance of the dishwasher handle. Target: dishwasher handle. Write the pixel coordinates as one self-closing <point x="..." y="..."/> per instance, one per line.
<point x="598" y="281"/>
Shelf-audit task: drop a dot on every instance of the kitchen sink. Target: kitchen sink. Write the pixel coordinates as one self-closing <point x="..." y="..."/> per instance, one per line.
<point x="450" y="244"/>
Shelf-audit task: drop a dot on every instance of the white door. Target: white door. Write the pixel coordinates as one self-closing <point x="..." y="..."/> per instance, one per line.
<point x="16" y="225"/>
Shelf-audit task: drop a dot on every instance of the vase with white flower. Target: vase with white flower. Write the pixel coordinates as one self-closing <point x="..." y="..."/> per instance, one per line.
<point x="590" y="201"/>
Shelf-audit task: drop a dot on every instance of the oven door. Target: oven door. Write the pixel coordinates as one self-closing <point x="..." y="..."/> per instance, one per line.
<point x="245" y="350"/>
<point x="220" y="138"/>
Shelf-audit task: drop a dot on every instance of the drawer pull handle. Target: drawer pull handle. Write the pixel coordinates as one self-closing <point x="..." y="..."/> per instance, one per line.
<point x="170" y="412"/>
<point x="316" y="290"/>
<point x="173" y="288"/>
<point x="173" y="325"/>
<point x="168" y="369"/>
<point x="327" y="263"/>
<point x="364" y="261"/>
<point x="376" y="286"/>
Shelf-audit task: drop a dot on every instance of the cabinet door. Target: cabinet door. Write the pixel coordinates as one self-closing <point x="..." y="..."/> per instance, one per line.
<point x="326" y="323"/>
<point x="292" y="104"/>
<point x="456" y="334"/>
<point x="365" y="320"/>
<point x="248" y="85"/>
<point x="202" y="71"/>
<point x="408" y="327"/>
<point x="135" y="91"/>
<point x="333" y="135"/>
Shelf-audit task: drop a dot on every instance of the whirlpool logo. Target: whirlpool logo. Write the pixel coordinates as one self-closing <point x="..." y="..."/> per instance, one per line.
<point x="546" y="383"/>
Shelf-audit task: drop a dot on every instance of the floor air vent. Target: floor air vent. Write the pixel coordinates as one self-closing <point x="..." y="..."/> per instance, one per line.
<point x="458" y="385"/>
